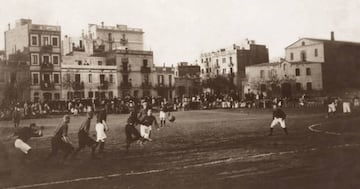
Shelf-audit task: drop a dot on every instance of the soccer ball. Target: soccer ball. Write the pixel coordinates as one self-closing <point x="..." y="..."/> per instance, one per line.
<point x="171" y="118"/>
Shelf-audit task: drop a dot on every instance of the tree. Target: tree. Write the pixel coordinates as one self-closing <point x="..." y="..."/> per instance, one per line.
<point x="219" y="84"/>
<point x="16" y="91"/>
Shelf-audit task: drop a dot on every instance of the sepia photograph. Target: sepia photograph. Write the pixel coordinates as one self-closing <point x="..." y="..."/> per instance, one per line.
<point x="179" y="94"/>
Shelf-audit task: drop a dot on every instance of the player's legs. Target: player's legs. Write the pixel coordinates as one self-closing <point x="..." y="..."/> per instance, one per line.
<point x="54" y="148"/>
<point x="274" y="122"/>
<point x="283" y="125"/>
<point x="21" y="145"/>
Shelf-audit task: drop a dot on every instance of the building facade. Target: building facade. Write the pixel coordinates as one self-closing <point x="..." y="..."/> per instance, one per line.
<point x="120" y="47"/>
<point x="187" y="80"/>
<point x="286" y="79"/>
<point x="231" y="62"/>
<point x="39" y="46"/>
<point x="340" y="60"/>
<point x="165" y="82"/>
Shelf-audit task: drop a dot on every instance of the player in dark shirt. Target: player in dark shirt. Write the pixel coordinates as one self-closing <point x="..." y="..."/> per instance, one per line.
<point x="132" y="134"/>
<point x="146" y="123"/>
<point x="23" y="135"/>
<point x="279" y="117"/>
<point x="84" y="136"/>
<point x="60" y="140"/>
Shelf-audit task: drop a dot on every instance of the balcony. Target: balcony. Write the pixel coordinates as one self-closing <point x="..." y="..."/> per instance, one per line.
<point x="47" y="85"/>
<point x="125" y="85"/>
<point x="103" y="85"/>
<point x="163" y="86"/>
<point x="79" y="49"/>
<point x="77" y="86"/>
<point x="46" y="48"/>
<point x="146" y="85"/>
<point x="145" y="69"/>
<point x="47" y="66"/>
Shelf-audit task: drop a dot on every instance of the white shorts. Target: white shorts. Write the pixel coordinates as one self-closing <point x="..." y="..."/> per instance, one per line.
<point x="22" y="146"/>
<point x="331" y="108"/>
<point x="145" y="131"/>
<point x="276" y="121"/>
<point x="162" y="115"/>
<point x="100" y="132"/>
<point x="346" y="107"/>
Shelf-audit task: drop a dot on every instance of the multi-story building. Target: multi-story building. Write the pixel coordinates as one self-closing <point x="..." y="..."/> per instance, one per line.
<point x="340" y="60"/>
<point x="40" y="47"/>
<point x="85" y="76"/>
<point x="231" y="62"/>
<point x="165" y="85"/>
<point x="285" y="78"/>
<point x="121" y="47"/>
<point x="2" y="56"/>
<point x="187" y="79"/>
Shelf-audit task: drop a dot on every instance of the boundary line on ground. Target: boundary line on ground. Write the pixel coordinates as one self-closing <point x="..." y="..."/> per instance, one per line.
<point x="312" y="128"/>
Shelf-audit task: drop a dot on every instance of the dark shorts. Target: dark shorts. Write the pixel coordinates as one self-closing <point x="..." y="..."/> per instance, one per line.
<point x="85" y="139"/>
<point x="58" y="144"/>
<point x="132" y="134"/>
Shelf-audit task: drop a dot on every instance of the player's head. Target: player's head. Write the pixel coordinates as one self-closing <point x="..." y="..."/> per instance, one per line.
<point x="33" y="126"/>
<point x="144" y="104"/>
<point x="66" y="118"/>
<point x="149" y="112"/>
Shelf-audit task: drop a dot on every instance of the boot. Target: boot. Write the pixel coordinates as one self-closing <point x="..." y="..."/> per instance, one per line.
<point x="271" y="131"/>
<point x="101" y="148"/>
<point x="286" y="132"/>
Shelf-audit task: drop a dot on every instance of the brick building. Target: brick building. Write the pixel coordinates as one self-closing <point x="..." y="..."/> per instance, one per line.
<point x="187" y="79"/>
<point x="165" y="82"/>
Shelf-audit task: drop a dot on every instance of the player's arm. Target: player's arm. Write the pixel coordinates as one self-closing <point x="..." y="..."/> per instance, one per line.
<point x="38" y="133"/>
<point x="65" y="136"/>
<point x="105" y="125"/>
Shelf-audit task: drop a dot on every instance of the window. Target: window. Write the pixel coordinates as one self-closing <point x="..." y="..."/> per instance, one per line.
<point x="297" y="72"/>
<point x="46" y="60"/>
<point x="202" y="71"/>
<point x="77" y="78"/>
<point x="210" y="70"/>
<point x="102" y="78"/>
<point x="303" y="43"/>
<point x="231" y="70"/>
<point x="217" y="61"/>
<point x="308" y="86"/>
<point x="56" y="78"/>
<point x="170" y="80"/>
<point x="230" y="59"/>
<point x="298" y="86"/>
<point x="34" y="40"/>
<point x="57" y="96"/>
<point x="262" y="73"/>
<point x="79" y="62"/>
<point x="224" y="70"/>
<point x="207" y="70"/>
<point x="111" y="78"/>
<point x="99" y="63"/>
<point x="55" y="41"/>
<point x="111" y="94"/>
<point x="55" y="59"/>
<point x="35" y="59"/>
<point x="303" y="56"/>
<point x="291" y="56"/>
<point x="308" y="71"/>
<point x="45" y="41"/>
<point x="145" y="62"/>
<point x="315" y="52"/>
<point x="90" y="78"/>
<point x="90" y="94"/>
<point x="224" y="60"/>
<point x="35" y="78"/>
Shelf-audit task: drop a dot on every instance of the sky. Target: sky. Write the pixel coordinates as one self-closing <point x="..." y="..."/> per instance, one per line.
<point x="180" y="30"/>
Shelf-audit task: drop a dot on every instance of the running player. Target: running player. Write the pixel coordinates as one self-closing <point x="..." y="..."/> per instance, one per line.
<point x="162" y="115"/>
<point x="132" y="134"/>
<point x="23" y="135"/>
<point x="147" y="122"/>
<point x="279" y="117"/>
<point x="61" y="140"/>
<point x="84" y="138"/>
<point x="101" y="128"/>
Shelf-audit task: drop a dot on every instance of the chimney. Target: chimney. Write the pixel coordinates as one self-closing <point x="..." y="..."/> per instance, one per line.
<point x="102" y="24"/>
<point x="332" y="36"/>
<point x="8" y="26"/>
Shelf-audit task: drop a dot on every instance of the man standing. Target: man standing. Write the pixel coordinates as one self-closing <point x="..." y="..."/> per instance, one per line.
<point x="16" y="116"/>
<point x="60" y="140"/>
<point x="83" y="135"/>
<point x="162" y="115"/>
<point x="101" y="128"/>
<point x="279" y="117"/>
<point x="23" y="135"/>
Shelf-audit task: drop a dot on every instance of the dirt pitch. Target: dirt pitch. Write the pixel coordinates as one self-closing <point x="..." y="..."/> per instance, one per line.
<point x="202" y="149"/>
